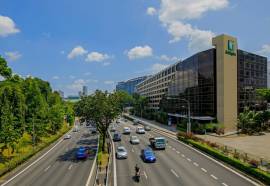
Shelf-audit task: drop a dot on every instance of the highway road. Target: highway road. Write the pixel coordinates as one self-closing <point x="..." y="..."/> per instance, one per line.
<point x="177" y="165"/>
<point x="59" y="167"/>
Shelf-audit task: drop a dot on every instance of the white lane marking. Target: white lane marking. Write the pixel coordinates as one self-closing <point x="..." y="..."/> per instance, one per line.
<point x="207" y="156"/>
<point x="225" y="184"/>
<point x="45" y="170"/>
<point x="132" y="150"/>
<point x="32" y="163"/>
<point x="173" y="148"/>
<point x="145" y="174"/>
<point x="169" y="146"/>
<point x="174" y="173"/>
<point x="188" y="159"/>
<point x="196" y="164"/>
<point x="70" y="167"/>
<point x="177" y="152"/>
<point x="213" y="176"/>
<point x="92" y="169"/>
<point x="183" y="155"/>
<point x="203" y="170"/>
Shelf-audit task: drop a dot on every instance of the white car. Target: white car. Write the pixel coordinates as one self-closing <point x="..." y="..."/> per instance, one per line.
<point x="140" y="130"/>
<point x="126" y="130"/>
<point x="67" y="136"/>
<point x="121" y="152"/>
<point x="134" y="140"/>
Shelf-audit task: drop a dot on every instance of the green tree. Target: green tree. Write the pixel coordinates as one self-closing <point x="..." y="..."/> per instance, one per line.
<point x="100" y="107"/>
<point x="5" y="71"/>
<point x="264" y="93"/>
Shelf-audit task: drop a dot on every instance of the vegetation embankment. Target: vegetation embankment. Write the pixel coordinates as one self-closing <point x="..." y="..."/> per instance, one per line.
<point x="31" y="117"/>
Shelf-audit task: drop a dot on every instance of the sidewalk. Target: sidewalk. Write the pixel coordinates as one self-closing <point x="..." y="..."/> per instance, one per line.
<point x="156" y="124"/>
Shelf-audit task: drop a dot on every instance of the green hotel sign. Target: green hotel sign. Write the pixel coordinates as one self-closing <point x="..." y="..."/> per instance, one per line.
<point x="230" y="48"/>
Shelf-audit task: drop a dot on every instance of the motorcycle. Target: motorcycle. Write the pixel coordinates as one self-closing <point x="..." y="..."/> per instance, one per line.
<point x="137" y="176"/>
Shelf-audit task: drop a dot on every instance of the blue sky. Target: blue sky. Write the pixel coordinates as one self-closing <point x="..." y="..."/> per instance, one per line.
<point x="97" y="43"/>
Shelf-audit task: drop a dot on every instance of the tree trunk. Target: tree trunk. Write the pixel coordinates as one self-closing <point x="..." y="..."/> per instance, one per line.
<point x="103" y="142"/>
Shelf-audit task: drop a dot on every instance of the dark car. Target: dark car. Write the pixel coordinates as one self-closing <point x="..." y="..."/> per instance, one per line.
<point x="81" y="153"/>
<point x="148" y="155"/>
<point x="116" y="137"/>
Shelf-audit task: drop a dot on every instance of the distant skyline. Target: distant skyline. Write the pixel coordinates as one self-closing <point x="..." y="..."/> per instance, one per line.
<point x="76" y="43"/>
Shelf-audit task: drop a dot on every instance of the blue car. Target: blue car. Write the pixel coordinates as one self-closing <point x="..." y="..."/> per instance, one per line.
<point x="81" y="153"/>
<point x="148" y="155"/>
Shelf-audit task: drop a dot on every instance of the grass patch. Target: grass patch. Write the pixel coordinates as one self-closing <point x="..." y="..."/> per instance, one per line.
<point x="24" y="150"/>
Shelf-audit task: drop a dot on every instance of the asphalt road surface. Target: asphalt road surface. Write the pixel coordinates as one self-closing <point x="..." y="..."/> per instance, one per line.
<point x="177" y="165"/>
<point x="60" y="166"/>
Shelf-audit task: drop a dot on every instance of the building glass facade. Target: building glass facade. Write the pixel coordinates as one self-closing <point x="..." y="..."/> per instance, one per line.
<point x="252" y="74"/>
<point x="130" y="85"/>
<point x="195" y="82"/>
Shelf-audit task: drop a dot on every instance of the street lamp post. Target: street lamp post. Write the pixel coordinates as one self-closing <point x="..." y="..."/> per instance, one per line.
<point x="188" y="104"/>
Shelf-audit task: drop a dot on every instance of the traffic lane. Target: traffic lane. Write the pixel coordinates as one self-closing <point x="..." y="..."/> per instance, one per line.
<point x="215" y="173"/>
<point x="152" y="173"/>
<point x="48" y="166"/>
<point x="213" y="169"/>
<point x="37" y="169"/>
<point x="68" y="170"/>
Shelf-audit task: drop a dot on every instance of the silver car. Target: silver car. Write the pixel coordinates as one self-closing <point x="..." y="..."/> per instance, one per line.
<point x="134" y="140"/>
<point x="121" y="152"/>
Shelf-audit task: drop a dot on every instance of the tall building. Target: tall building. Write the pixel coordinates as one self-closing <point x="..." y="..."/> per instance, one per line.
<point x="129" y="85"/>
<point x="218" y="82"/>
<point x="85" y="91"/>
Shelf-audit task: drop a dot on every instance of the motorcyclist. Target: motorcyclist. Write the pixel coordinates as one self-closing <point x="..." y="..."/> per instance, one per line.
<point x="137" y="170"/>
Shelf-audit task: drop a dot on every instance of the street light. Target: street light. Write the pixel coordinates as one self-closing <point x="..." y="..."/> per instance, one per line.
<point x="188" y="103"/>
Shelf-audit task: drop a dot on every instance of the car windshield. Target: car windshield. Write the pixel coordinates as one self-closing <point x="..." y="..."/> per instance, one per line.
<point x="121" y="150"/>
<point x="160" y="140"/>
<point x="148" y="153"/>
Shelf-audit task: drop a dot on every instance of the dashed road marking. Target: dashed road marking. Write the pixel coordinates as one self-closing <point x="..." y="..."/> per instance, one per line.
<point x="203" y="170"/>
<point x="213" y="176"/>
<point x="183" y="155"/>
<point x="145" y="174"/>
<point x="188" y="159"/>
<point x="45" y="170"/>
<point x="69" y="168"/>
<point x="170" y="146"/>
<point x="224" y="184"/>
<point x="132" y="150"/>
<point x="173" y="148"/>
<point x="174" y="173"/>
<point x="196" y="164"/>
<point x="177" y="152"/>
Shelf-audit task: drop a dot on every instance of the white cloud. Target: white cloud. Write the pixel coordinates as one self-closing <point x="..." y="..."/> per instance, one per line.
<point x="167" y="58"/>
<point x="108" y="82"/>
<point x="77" y="85"/>
<point x="96" y="57"/>
<point x="151" y="11"/>
<point x="139" y="52"/>
<point x="7" y="26"/>
<point x="77" y="51"/>
<point x="13" y="56"/>
<point x="157" y="67"/>
<point x="55" y="77"/>
<point x="178" y="10"/>
<point x="265" y="50"/>
<point x="173" y="13"/>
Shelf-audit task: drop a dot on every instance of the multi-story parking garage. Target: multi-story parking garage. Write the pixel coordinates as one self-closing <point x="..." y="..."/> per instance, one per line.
<point x="218" y="82"/>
